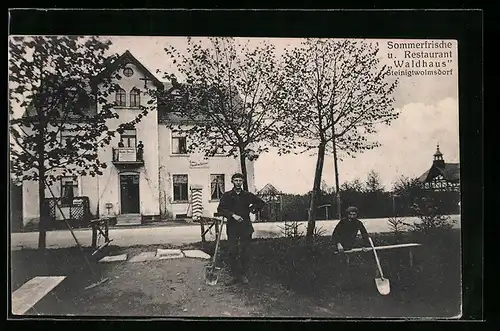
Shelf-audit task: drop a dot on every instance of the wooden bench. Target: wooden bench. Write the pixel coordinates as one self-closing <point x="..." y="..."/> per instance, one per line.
<point x="378" y="248"/>
<point x="25" y="297"/>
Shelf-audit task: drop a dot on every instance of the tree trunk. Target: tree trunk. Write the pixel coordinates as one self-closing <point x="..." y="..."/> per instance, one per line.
<point x="316" y="188"/>
<point x="337" y="185"/>
<point x="243" y="165"/>
<point x="42" y="223"/>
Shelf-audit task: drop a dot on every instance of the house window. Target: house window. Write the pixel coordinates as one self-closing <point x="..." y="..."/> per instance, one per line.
<point x="180" y="187"/>
<point x="216" y="186"/>
<point x="67" y="140"/>
<point x="135" y="98"/>
<point x="220" y="147"/>
<point x="128" y="138"/>
<point x="121" y="97"/>
<point x="128" y="72"/>
<point x="69" y="187"/>
<point x="179" y="144"/>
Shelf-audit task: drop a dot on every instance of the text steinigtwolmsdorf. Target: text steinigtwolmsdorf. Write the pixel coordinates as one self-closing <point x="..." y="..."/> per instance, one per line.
<point x="426" y="58"/>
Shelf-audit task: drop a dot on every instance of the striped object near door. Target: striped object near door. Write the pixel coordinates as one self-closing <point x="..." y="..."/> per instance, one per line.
<point x="197" y="202"/>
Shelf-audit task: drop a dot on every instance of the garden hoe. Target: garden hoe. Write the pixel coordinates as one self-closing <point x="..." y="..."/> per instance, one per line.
<point x="211" y="270"/>
<point x="382" y="283"/>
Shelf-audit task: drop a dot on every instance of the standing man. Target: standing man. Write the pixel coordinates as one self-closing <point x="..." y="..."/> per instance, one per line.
<point x="236" y="205"/>
<point x="344" y="235"/>
<point x="140" y="151"/>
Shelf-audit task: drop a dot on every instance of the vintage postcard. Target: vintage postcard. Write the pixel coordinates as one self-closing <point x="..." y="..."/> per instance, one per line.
<point x="234" y="177"/>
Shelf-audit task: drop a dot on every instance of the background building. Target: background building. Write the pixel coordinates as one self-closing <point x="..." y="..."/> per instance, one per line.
<point x="441" y="176"/>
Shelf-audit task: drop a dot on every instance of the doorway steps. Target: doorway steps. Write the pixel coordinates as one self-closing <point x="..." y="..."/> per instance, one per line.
<point x="128" y="219"/>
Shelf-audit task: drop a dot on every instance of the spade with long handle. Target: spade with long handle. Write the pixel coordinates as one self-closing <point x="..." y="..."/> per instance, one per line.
<point x="382" y="283"/>
<point x="211" y="270"/>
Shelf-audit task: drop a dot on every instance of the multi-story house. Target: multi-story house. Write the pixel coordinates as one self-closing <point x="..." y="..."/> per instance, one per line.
<point x="150" y="174"/>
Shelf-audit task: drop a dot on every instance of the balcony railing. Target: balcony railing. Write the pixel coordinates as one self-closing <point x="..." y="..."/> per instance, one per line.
<point x="128" y="156"/>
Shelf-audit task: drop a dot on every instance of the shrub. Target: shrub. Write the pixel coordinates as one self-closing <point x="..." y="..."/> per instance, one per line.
<point x="318" y="232"/>
<point x="431" y="218"/>
<point x="315" y="271"/>
<point x="397" y="227"/>
<point x="291" y="229"/>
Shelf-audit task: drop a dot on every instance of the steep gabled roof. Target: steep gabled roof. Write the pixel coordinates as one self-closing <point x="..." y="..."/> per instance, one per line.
<point x="168" y="114"/>
<point x="125" y="58"/>
<point x="71" y="117"/>
<point x="268" y="189"/>
<point x="450" y="172"/>
<point x="423" y="177"/>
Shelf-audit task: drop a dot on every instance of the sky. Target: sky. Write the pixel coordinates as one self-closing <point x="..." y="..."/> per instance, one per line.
<point x="428" y="108"/>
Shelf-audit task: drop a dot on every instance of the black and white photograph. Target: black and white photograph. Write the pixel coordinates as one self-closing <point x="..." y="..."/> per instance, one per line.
<point x="234" y="177"/>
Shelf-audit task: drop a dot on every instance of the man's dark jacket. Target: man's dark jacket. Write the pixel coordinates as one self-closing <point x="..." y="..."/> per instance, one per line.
<point x="239" y="204"/>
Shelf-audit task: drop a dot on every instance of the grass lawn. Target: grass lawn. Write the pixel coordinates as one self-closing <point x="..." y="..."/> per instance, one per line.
<point x="430" y="289"/>
<point x="288" y="278"/>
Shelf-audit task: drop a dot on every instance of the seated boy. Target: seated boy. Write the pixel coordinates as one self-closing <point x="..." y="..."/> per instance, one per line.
<point x="344" y="234"/>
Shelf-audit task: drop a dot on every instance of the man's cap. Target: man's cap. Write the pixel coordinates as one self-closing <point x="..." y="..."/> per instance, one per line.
<point x="351" y="209"/>
<point x="237" y="175"/>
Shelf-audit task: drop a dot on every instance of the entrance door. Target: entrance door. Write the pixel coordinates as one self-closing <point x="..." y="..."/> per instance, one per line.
<point x="129" y="189"/>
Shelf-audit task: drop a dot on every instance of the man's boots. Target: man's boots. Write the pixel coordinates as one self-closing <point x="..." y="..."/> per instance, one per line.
<point x="232" y="281"/>
<point x="244" y="280"/>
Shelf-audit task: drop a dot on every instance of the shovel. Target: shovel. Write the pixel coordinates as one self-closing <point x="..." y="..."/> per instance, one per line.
<point x="382" y="283"/>
<point x="211" y="270"/>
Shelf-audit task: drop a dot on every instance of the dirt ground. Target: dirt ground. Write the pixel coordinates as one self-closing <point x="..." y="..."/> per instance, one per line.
<point x="173" y="288"/>
<point x="281" y="285"/>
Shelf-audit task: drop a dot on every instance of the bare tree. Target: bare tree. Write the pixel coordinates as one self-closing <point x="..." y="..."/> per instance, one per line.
<point x="354" y="186"/>
<point x="339" y="94"/>
<point x="231" y="93"/>
<point x="52" y="80"/>
<point x="405" y="186"/>
<point x="373" y="184"/>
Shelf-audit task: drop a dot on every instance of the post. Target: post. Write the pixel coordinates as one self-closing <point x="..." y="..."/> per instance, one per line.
<point x="202" y="231"/>
<point x="94" y="236"/>
<point x="106" y="228"/>
<point x="337" y="186"/>
<point x="216" y="223"/>
<point x="281" y="207"/>
<point x="393" y="205"/>
<point x="98" y="200"/>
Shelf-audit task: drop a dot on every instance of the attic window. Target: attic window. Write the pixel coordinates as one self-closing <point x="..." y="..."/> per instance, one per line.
<point x="120" y="97"/>
<point x="135" y="97"/>
<point x="128" y="72"/>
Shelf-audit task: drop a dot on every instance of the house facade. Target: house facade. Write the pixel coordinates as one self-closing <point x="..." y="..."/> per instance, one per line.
<point x="149" y="173"/>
